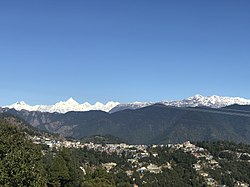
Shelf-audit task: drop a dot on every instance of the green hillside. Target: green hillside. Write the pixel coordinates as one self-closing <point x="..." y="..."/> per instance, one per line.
<point x="152" y="124"/>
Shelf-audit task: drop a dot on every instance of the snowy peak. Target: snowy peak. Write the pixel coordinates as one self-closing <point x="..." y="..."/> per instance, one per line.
<point x="131" y="106"/>
<point x="194" y="101"/>
<point x="20" y="105"/>
<point x="213" y="101"/>
<point x="64" y="106"/>
<point x="71" y="101"/>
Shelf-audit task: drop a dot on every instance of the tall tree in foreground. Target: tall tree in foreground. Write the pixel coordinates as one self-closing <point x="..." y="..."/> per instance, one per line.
<point x="20" y="159"/>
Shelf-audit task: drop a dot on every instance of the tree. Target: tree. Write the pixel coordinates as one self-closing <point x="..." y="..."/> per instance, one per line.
<point x="20" y="159"/>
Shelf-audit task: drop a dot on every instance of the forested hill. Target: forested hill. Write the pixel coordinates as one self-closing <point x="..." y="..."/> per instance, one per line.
<point x="24" y="126"/>
<point x="153" y="124"/>
<point x="245" y="108"/>
<point x="20" y="161"/>
<point x="20" y="124"/>
<point x="24" y="163"/>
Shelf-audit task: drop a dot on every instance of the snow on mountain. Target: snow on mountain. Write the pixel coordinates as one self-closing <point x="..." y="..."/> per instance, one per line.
<point x="72" y="105"/>
<point x="131" y="106"/>
<point x="194" y="101"/>
<point x="20" y="106"/>
<point x="64" y="106"/>
<point x="208" y="101"/>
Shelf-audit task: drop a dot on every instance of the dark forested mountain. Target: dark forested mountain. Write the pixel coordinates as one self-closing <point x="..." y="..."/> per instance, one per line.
<point x="22" y="125"/>
<point x="153" y="124"/>
<point x="20" y="159"/>
<point x="245" y="108"/>
<point x="24" y="163"/>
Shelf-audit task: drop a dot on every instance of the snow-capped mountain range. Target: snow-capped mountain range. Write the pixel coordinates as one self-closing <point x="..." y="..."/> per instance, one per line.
<point x="64" y="106"/>
<point x="72" y="105"/>
<point x="208" y="101"/>
<point x="194" y="101"/>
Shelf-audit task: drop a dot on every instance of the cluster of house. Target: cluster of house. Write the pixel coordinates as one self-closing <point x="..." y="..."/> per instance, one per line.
<point x="204" y="159"/>
<point x="116" y="148"/>
<point x="53" y="143"/>
<point x="108" y="148"/>
<point x="138" y="152"/>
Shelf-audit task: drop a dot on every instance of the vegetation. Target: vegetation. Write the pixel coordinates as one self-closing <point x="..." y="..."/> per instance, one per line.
<point x="23" y="163"/>
<point x="157" y="124"/>
<point x="102" y="139"/>
<point x="20" y="159"/>
<point x="234" y="160"/>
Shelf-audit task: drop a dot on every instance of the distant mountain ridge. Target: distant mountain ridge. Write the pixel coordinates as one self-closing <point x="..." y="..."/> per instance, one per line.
<point x="154" y="124"/>
<point x="63" y="106"/>
<point x="194" y="101"/>
<point x="72" y="105"/>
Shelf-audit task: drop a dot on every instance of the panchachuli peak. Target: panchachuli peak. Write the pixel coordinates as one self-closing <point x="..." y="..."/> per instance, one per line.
<point x="64" y="106"/>
<point x="213" y="101"/>
<point x="21" y="103"/>
<point x="71" y="101"/>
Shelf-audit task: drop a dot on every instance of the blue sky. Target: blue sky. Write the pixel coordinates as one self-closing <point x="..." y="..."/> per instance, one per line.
<point x="133" y="50"/>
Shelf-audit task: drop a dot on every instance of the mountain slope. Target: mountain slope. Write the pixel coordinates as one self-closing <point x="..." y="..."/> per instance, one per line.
<point x="237" y="107"/>
<point x="153" y="124"/>
<point x="22" y="125"/>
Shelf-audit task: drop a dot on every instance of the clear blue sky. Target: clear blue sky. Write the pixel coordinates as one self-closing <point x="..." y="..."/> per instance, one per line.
<point x="130" y="50"/>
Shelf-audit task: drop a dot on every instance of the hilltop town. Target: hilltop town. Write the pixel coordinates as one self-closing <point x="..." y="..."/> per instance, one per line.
<point x="143" y="160"/>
